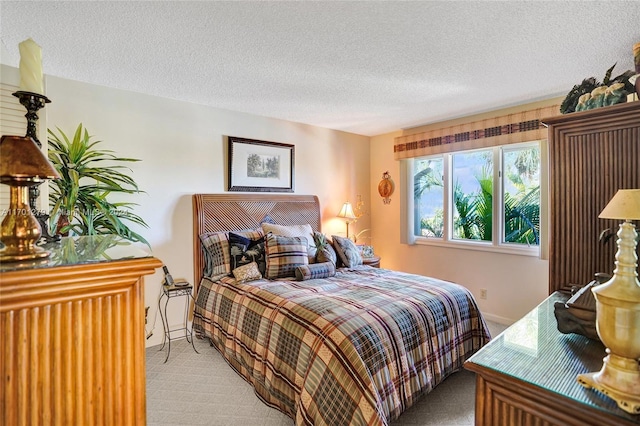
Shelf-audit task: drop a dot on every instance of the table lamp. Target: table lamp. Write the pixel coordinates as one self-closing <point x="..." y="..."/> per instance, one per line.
<point x="22" y="165"/>
<point x="618" y="311"/>
<point x="346" y="212"/>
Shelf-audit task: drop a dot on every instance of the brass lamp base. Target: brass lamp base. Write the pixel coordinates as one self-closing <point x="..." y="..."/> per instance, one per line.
<point x="38" y="253"/>
<point x="619" y="379"/>
<point x="20" y="230"/>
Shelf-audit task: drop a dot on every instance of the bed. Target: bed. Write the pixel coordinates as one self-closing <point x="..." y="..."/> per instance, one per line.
<point x="356" y="348"/>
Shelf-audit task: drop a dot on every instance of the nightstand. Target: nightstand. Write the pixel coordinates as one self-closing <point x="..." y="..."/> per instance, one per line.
<point x="371" y="261"/>
<point x="169" y="292"/>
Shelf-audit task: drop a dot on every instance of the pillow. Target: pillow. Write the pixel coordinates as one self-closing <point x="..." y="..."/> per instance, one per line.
<point x="284" y="255"/>
<point x="216" y="250"/>
<point x="267" y="219"/>
<point x="347" y="251"/>
<point x="294" y="231"/>
<point x="243" y="250"/>
<point x="317" y="270"/>
<point x="325" y="251"/>
<point x="246" y="273"/>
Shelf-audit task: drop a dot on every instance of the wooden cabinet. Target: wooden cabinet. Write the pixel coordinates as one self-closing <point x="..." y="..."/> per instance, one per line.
<point x="592" y="154"/>
<point x="72" y="332"/>
<point x="526" y="376"/>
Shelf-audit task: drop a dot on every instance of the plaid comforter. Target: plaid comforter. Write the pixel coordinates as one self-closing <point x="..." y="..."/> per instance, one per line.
<point x="355" y="349"/>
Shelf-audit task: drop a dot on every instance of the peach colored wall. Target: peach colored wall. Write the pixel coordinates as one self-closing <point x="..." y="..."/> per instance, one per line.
<point x="515" y="284"/>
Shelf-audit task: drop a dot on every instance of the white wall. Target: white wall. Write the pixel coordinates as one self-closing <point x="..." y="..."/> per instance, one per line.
<point x="180" y="145"/>
<point x="181" y="148"/>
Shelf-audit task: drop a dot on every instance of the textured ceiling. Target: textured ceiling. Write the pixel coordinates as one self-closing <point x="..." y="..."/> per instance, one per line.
<point x="362" y="67"/>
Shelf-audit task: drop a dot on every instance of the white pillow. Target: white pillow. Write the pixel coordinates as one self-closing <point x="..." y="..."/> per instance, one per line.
<point x="294" y="231"/>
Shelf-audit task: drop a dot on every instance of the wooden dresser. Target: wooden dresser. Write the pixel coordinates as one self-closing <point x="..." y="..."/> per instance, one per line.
<point x="526" y="376"/>
<point x="72" y="331"/>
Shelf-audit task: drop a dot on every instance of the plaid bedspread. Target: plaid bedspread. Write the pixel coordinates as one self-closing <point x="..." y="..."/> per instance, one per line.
<point x="355" y="349"/>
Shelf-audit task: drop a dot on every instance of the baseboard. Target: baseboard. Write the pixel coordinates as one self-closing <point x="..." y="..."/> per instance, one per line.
<point x="498" y="319"/>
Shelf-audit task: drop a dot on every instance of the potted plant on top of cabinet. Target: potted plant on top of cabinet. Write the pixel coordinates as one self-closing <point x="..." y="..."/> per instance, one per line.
<point x="88" y="176"/>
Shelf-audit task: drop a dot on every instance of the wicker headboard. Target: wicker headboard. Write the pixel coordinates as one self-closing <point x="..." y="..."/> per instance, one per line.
<point x="233" y="212"/>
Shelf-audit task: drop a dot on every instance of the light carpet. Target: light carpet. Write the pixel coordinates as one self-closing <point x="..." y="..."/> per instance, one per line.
<point x="202" y="389"/>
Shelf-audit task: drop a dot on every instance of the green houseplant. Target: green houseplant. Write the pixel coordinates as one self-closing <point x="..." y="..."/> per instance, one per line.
<point x="88" y="176"/>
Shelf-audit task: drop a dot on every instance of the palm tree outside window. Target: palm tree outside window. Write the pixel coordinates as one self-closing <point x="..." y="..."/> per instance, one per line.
<point x="489" y="196"/>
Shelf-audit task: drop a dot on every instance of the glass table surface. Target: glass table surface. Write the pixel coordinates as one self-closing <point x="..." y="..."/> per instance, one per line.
<point x="534" y="351"/>
<point x="83" y="250"/>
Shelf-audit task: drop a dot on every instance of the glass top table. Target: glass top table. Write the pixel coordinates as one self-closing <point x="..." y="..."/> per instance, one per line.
<point x="83" y="250"/>
<point x="532" y="350"/>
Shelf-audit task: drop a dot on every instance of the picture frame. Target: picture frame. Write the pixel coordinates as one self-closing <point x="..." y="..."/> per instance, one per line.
<point x="260" y="166"/>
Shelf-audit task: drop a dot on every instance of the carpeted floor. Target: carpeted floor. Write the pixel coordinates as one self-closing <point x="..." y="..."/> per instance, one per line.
<point x="201" y="389"/>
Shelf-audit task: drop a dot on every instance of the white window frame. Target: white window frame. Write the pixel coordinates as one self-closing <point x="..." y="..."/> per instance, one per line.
<point x="495" y="245"/>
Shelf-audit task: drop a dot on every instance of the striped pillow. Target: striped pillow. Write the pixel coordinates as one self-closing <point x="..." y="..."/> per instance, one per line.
<point x="284" y="255"/>
<point x="347" y="251"/>
<point x="216" y="250"/>
<point x="316" y="270"/>
<point x="294" y="231"/>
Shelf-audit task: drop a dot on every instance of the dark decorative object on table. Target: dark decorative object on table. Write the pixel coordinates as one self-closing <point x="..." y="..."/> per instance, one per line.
<point x="33" y="102"/>
<point x="592" y="94"/>
<point x="578" y="314"/>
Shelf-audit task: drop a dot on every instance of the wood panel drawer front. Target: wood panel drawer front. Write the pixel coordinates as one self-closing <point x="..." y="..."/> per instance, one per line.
<point x="74" y="360"/>
<point x="506" y="405"/>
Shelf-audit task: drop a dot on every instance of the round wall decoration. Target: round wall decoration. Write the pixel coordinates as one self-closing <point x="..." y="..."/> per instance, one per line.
<point x="386" y="187"/>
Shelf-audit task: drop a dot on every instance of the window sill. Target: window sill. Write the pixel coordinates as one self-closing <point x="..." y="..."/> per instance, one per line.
<point x="533" y="251"/>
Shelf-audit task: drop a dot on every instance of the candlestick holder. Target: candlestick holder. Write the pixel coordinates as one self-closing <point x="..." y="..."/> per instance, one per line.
<point x="34" y="102"/>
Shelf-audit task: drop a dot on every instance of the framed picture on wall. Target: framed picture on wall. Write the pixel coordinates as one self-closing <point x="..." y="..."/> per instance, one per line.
<point x="260" y="166"/>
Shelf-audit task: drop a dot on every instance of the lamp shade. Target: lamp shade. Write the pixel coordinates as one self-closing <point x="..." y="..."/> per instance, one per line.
<point x="624" y="205"/>
<point x="347" y="211"/>
<point x="22" y="161"/>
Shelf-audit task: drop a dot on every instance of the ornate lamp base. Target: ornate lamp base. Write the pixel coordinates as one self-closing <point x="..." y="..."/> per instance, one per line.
<point x="20" y="230"/>
<point x="38" y="253"/>
<point x="619" y="379"/>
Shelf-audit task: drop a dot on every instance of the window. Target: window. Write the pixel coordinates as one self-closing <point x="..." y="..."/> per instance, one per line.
<point x="429" y="198"/>
<point x="472" y="177"/>
<point x="521" y="195"/>
<point x="487" y="198"/>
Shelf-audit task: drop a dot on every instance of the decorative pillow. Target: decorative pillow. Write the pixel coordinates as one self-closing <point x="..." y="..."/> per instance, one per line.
<point x="243" y="250"/>
<point x="267" y="219"/>
<point x="294" y="231"/>
<point x="216" y="250"/>
<point x="317" y="270"/>
<point x="347" y="251"/>
<point x="284" y="255"/>
<point x="339" y="262"/>
<point x="325" y="251"/>
<point x="246" y="273"/>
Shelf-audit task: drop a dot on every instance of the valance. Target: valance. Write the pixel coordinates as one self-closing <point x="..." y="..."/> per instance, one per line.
<point x="501" y="130"/>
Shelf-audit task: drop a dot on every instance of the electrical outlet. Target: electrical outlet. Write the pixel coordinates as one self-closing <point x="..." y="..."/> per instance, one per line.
<point x="483" y="293"/>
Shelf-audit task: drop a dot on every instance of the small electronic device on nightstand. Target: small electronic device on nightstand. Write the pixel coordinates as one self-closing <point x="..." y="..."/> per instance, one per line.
<point x="169" y="281"/>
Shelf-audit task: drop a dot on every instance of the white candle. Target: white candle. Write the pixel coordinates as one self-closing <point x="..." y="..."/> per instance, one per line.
<point x="31" y="67"/>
